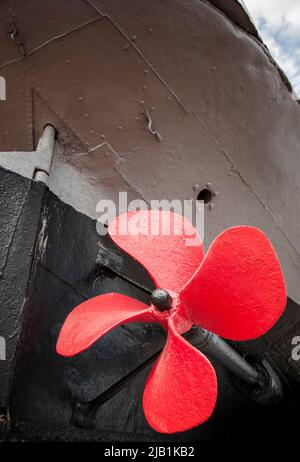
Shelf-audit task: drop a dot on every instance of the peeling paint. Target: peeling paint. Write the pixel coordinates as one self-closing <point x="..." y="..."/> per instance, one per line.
<point x="151" y="130"/>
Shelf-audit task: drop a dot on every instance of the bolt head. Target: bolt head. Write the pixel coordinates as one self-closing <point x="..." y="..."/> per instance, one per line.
<point x="161" y="299"/>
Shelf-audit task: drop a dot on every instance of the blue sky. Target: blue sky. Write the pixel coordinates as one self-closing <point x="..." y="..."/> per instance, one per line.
<point x="278" y="22"/>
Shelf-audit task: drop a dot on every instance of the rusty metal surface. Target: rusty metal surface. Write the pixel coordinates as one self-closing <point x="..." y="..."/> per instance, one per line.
<point x="220" y="113"/>
<point x="237" y="11"/>
<point x="195" y="72"/>
<point x="227" y="79"/>
<point x="35" y="23"/>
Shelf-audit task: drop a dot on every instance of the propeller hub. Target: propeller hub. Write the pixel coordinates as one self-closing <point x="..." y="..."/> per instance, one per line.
<point x="161" y="299"/>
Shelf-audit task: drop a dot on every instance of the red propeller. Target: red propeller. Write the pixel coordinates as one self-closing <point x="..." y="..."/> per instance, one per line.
<point x="236" y="291"/>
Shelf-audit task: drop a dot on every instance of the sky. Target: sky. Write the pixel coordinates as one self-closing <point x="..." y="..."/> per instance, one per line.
<point x="278" y="22"/>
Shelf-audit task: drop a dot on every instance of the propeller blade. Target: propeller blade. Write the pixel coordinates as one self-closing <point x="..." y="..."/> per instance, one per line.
<point x="181" y="390"/>
<point x="165" y="243"/>
<point x="96" y="317"/>
<point x="239" y="291"/>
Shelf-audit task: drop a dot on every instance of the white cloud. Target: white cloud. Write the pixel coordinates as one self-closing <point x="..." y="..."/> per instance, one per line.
<point x="278" y="22"/>
<point x="275" y="12"/>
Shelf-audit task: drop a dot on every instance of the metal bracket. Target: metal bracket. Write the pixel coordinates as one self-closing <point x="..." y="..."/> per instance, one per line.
<point x="35" y="165"/>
